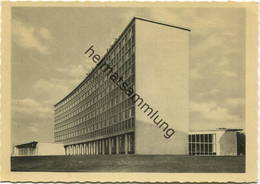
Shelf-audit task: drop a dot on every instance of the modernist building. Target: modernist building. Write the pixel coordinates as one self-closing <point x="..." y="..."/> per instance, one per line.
<point x="35" y="148"/>
<point x="216" y="142"/>
<point x="98" y="117"/>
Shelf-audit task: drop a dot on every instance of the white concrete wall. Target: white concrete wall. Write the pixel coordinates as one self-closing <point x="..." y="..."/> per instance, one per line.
<point x="162" y="76"/>
<point x="228" y="143"/>
<point x="219" y="134"/>
<point x="50" y="149"/>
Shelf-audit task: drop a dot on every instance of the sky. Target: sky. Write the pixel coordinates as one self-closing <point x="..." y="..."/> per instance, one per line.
<point x="48" y="61"/>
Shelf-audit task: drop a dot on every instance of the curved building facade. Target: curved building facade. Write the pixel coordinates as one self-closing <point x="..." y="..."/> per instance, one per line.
<point x="96" y="117"/>
<point x="100" y="117"/>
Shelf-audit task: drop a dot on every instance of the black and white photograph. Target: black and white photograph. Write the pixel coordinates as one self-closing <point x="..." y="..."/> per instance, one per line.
<point x="128" y="89"/>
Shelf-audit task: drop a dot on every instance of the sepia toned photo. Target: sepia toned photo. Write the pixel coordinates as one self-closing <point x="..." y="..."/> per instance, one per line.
<point x="101" y="89"/>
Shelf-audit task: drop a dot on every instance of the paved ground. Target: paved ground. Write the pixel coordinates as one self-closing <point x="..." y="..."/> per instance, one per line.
<point x="131" y="163"/>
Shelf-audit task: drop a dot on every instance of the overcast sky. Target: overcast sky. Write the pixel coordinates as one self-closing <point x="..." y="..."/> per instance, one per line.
<point x="48" y="61"/>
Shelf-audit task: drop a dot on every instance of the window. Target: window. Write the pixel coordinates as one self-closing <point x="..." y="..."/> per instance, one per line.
<point x="202" y="144"/>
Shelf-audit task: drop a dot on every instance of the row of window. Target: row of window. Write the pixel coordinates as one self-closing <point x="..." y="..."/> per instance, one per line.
<point x="104" y="120"/>
<point x="123" y="44"/>
<point x="96" y="90"/>
<point x="89" y="133"/>
<point x="94" y="97"/>
<point x="27" y="151"/>
<point x="108" y="105"/>
<point x="202" y="144"/>
<point x="94" y="108"/>
<point x="202" y="149"/>
<point x="99" y="102"/>
<point x="202" y="138"/>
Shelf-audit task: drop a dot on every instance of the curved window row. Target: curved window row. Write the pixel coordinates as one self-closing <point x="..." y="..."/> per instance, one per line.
<point x="98" y="106"/>
<point x="124" y="48"/>
<point x="91" y="132"/>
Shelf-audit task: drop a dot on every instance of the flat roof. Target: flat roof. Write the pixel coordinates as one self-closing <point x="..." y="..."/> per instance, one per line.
<point x="34" y="143"/>
<point x="111" y="48"/>
<point x="161" y="23"/>
<point x="26" y="145"/>
<point x="216" y="130"/>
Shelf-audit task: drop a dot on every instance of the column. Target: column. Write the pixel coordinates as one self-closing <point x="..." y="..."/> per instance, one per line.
<point x="101" y="150"/>
<point x="126" y="144"/>
<point x="117" y="144"/>
<point x="97" y="143"/>
<point x="110" y="146"/>
<point x="94" y="143"/>
<point x="91" y="148"/>
<point x="103" y="146"/>
<point x="132" y="142"/>
<point x="87" y="148"/>
<point x="82" y="149"/>
<point x="100" y="147"/>
<point x="97" y="147"/>
<point x="77" y="149"/>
